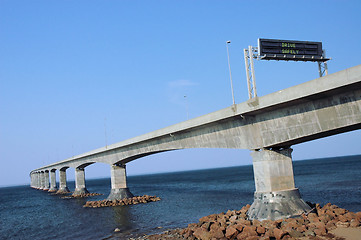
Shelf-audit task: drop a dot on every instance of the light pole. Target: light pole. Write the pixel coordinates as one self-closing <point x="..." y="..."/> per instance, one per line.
<point x="185" y="98"/>
<point x="230" y="73"/>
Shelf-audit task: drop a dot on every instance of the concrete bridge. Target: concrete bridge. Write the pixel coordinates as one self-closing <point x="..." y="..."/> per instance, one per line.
<point x="267" y="125"/>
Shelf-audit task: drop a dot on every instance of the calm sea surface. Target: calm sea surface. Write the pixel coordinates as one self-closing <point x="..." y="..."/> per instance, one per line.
<point x="26" y="213"/>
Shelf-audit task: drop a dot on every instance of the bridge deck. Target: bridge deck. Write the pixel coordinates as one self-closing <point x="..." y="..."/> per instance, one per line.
<point x="329" y="85"/>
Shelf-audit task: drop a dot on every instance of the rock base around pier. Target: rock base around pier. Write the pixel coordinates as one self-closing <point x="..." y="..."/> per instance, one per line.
<point x="121" y="202"/>
<point x="63" y="190"/>
<point x="82" y="195"/>
<point x="236" y="225"/>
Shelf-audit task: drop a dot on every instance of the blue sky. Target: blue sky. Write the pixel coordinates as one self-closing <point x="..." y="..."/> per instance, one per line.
<point x="76" y="75"/>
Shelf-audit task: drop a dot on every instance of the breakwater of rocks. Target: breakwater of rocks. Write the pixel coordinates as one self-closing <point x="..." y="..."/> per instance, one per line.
<point x="121" y="202"/>
<point x="83" y="195"/>
<point x="235" y="225"/>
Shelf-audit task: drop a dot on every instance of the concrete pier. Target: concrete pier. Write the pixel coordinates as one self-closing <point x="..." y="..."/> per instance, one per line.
<point x="118" y="178"/>
<point x="276" y="196"/>
<point x="42" y="182"/>
<point x="53" y="187"/>
<point x="62" y="182"/>
<point x="38" y="183"/>
<point x="32" y="180"/>
<point x="80" y="182"/>
<point x="46" y="181"/>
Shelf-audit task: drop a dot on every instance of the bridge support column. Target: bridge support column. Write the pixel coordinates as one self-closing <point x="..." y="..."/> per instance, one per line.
<point x="42" y="181"/>
<point x="119" y="183"/>
<point x="38" y="183"/>
<point x="33" y="180"/>
<point x="53" y="187"/>
<point x="80" y="182"/>
<point x="276" y="196"/>
<point x="62" y="182"/>
<point x="46" y="181"/>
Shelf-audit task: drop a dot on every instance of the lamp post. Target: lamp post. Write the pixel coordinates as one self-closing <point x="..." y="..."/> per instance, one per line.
<point x="185" y="98"/>
<point x="230" y="73"/>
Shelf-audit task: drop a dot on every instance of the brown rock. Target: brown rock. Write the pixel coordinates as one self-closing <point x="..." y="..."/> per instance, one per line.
<point x="243" y="216"/>
<point x="252" y="238"/>
<point x="270" y="232"/>
<point x="350" y="215"/>
<point x="264" y="238"/>
<point x="320" y="231"/>
<point x="312" y="215"/>
<point x="231" y="232"/>
<point x="355" y="223"/>
<point x="301" y="228"/>
<point x="223" y="223"/>
<point x="229" y="213"/>
<point x="327" y="206"/>
<point x="239" y="227"/>
<point x="244" y="222"/>
<point x="260" y="230"/>
<point x="330" y="213"/>
<point x="343" y="224"/>
<point x="202" y="234"/>
<point x="334" y="207"/>
<point x="210" y="218"/>
<point x="339" y="211"/>
<point x="342" y="218"/>
<point x="268" y="224"/>
<point x="216" y="233"/>
<point x="278" y="233"/>
<point x="192" y="226"/>
<point x="320" y="225"/>
<point x="295" y="234"/>
<point x="256" y="223"/>
<point x="330" y="226"/>
<point x="325" y="218"/>
<point x="309" y="233"/>
<point x="188" y="233"/>
<point x="233" y="218"/>
<point x="206" y="225"/>
<point x="242" y="236"/>
<point x="250" y="230"/>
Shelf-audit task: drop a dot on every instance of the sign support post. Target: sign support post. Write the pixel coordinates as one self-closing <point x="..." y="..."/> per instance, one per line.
<point x="251" y="78"/>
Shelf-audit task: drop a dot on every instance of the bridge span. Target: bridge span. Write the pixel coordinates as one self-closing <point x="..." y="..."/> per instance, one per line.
<point x="267" y="125"/>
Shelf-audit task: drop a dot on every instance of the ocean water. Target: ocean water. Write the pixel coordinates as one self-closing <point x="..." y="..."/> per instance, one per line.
<point x="26" y="213"/>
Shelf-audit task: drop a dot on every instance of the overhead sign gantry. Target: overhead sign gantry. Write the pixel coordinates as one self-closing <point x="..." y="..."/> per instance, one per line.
<point x="286" y="50"/>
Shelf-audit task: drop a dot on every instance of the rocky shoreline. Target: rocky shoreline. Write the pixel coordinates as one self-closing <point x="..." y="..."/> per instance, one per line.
<point x="121" y="202"/>
<point x="318" y="224"/>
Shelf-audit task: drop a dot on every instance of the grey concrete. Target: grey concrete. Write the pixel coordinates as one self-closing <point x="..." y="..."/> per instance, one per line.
<point x="80" y="182"/>
<point x="42" y="181"/>
<point x="119" y="183"/>
<point x="277" y="205"/>
<point x="276" y="196"/>
<point x="62" y="182"/>
<point x="33" y="181"/>
<point x="319" y="108"/>
<point x="46" y="181"/>
<point x="37" y="180"/>
<point x="53" y="187"/>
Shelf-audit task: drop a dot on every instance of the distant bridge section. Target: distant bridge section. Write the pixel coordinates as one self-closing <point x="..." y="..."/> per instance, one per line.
<point x="268" y="125"/>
